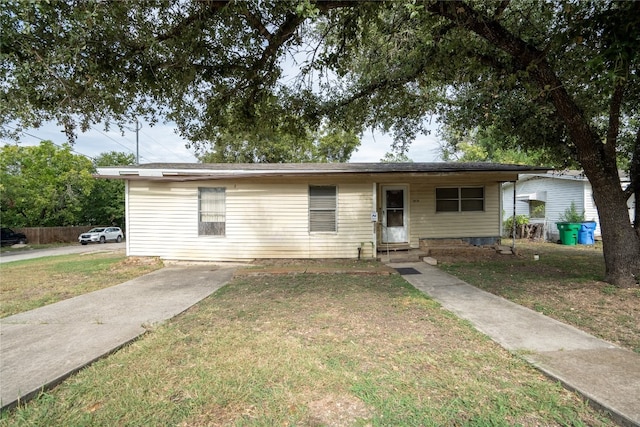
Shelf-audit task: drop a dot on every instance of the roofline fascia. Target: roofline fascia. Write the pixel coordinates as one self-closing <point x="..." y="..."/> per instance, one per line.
<point x="211" y="174"/>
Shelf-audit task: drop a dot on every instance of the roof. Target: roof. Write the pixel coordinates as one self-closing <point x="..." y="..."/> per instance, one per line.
<point x="200" y="171"/>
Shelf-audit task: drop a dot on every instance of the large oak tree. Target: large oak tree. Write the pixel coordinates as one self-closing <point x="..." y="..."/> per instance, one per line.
<point x="561" y="75"/>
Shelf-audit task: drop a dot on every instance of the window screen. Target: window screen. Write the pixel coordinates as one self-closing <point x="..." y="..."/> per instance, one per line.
<point x="322" y="208"/>
<point x="537" y="209"/>
<point x="212" y="211"/>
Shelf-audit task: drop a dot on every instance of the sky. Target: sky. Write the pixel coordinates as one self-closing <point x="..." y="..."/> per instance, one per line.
<point x="160" y="143"/>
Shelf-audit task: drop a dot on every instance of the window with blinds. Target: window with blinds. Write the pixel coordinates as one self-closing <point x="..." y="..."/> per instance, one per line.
<point x="211" y="211"/>
<point x="459" y="199"/>
<point x="322" y="208"/>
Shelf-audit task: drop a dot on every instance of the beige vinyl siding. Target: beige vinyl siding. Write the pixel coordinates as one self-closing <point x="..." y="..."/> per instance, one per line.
<point x="425" y="222"/>
<point x="262" y="221"/>
<point x="269" y="217"/>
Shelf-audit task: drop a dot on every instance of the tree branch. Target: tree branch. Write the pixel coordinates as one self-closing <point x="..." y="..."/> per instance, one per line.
<point x="256" y="23"/>
<point x="530" y="58"/>
<point x="501" y="8"/>
<point x="211" y="7"/>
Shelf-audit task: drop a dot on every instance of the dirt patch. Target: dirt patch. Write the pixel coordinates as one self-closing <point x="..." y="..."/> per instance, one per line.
<point x="338" y="411"/>
<point x="479" y="254"/>
<point x="138" y="260"/>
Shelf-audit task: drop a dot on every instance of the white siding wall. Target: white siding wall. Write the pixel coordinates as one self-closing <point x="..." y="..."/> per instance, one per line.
<point x="560" y="193"/>
<point x="262" y="221"/>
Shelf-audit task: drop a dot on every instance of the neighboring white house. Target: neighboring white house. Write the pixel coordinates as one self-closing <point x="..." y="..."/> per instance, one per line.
<point x="248" y="211"/>
<point x="544" y="197"/>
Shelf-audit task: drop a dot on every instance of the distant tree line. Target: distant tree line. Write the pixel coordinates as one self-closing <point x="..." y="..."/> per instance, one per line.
<point x="48" y="185"/>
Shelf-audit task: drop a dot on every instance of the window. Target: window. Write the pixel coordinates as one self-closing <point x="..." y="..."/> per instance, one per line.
<point x="536" y="209"/>
<point x="460" y="199"/>
<point x="211" y="211"/>
<point x="322" y="208"/>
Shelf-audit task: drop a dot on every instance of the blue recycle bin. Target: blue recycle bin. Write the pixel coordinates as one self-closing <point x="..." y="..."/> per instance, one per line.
<point x="585" y="234"/>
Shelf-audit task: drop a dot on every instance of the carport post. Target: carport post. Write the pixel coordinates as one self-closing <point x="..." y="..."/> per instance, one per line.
<point x="513" y="222"/>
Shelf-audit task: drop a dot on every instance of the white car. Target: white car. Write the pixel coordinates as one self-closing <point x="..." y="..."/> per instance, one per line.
<point x="101" y="235"/>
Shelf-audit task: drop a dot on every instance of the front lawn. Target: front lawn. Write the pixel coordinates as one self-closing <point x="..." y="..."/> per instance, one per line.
<point x="30" y="284"/>
<point x="311" y="350"/>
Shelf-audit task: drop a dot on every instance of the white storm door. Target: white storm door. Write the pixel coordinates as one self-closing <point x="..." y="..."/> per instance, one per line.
<point x="394" y="214"/>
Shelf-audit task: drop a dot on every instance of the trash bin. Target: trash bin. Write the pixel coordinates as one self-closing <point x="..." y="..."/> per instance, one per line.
<point x="585" y="235"/>
<point x="568" y="232"/>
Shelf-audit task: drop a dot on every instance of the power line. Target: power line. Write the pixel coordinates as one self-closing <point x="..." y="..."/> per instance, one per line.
<point x="146" y="157"/>
<point x="42" y="139"/>
<point x="109" y="137"/>
<point x="172" y="152"/>
<point x="136" y="153"/>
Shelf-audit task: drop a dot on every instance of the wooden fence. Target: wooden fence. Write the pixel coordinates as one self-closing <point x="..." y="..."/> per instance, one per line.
<point x="45" y="235"/>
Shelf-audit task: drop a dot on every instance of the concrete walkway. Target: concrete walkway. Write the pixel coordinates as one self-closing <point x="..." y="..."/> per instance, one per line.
<point x="41" y="347"/>
<point x="607" y="375"/>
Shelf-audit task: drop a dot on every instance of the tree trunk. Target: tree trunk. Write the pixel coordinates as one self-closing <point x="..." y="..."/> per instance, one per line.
<point x="621" y="242"/>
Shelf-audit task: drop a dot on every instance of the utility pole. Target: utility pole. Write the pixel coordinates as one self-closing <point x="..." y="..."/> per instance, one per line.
<point x="138" y="127"/>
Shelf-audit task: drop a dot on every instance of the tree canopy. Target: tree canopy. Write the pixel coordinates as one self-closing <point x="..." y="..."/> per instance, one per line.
<point x="557" y="75"/>
<point x="487" y="145"/>
<point x="325" y="145"/>
<point x="49" y="186"/>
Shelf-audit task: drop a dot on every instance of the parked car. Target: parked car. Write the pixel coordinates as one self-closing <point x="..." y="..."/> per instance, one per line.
<point x="101" y="235"/>
<point x="9" y="237"/>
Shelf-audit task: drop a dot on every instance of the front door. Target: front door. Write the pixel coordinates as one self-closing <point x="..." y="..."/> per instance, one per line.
<point x="394" y="214"/>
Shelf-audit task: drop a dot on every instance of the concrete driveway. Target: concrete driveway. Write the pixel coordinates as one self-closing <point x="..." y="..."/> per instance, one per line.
<point x="62" y="250"/>
<point x="42" y="347"/>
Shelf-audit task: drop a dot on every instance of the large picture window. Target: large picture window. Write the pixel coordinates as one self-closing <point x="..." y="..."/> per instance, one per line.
<point x="322" y="208"/>
<point x="459" y="199"/>
<point x="211" y="211"/>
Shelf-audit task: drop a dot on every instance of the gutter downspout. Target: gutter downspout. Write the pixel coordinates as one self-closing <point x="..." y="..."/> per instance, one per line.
<point x="374" y="225"/>
<point x="126" y="217"/>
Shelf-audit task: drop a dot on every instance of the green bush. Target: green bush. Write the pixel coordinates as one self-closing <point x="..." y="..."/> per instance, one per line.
<point x="520" y="220"/>
<point x="571" y="214"/>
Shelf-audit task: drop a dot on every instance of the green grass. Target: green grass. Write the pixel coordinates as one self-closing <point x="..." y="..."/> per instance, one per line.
<point x="30" y="284"/>
<point x="310" y="350"/>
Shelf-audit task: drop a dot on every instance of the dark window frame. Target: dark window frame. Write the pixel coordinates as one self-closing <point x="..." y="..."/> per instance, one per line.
<point x="460" y="199"/>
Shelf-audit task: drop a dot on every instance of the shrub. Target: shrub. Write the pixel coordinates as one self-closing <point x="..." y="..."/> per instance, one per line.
<point x="571" y="214"/>
<point x="520" y="220"/>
